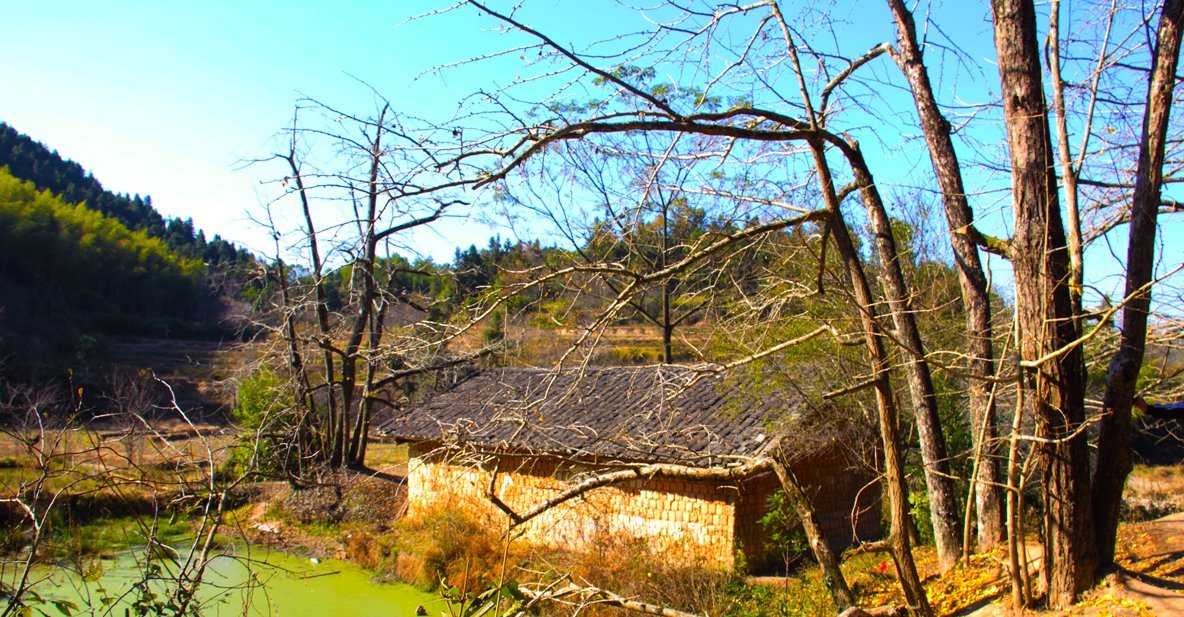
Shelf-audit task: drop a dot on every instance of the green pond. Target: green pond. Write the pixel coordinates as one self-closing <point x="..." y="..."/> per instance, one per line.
<point x="262" y="583"/>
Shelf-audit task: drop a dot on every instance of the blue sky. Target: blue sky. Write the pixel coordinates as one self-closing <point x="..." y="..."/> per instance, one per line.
<point x="167" y="98"/>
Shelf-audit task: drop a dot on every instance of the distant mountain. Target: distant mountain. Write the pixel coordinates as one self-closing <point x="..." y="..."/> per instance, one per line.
<point x="32" y="161"/>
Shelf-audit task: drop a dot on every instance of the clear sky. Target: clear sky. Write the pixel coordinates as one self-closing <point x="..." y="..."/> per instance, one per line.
<point x="167" y="98"/>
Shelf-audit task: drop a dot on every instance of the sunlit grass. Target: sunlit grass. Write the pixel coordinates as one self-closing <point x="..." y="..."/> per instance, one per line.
<point x="386" y="456"/>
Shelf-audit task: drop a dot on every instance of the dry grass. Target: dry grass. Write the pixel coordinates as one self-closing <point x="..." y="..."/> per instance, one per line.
<point x="1154" y="491"/>
<point x="78" y="460"/>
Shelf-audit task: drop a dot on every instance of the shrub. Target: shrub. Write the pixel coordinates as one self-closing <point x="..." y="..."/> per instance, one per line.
<point x="263" y="405"/>
<point x="366" y="549"/>
<point x="629" y="567"/>
<point x="922" y="516"/>
<point x="784" y="535"/>
<point x="798" y="595"/>
<point x="261" y="400"/>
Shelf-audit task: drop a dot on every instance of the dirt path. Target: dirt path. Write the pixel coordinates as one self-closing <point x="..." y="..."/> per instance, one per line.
<point x="1153" y="567"/>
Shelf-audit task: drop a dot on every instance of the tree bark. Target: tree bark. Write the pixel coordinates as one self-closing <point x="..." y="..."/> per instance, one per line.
<point x="947" y="527"/>
<point x="1044" y="308"/>
<point x="1068" y="173"/>
<point x="1114" y="456"/>
<point x="972" y="279"/>
<point x="888" y="416"/>
<point x="832" y="574"/>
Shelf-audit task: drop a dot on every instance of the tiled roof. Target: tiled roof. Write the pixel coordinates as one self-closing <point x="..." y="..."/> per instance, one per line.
<point x="629" y="413"/>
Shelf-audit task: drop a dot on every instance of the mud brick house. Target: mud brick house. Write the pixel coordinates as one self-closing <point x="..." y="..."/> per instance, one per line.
<point x="526" y="435"/>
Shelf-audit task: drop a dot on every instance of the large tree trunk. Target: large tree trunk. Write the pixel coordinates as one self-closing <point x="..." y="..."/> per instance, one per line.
<point x="971" y="277"/>
<point x="947" y="528"/>
<point x="1053" y="361"/>
<point x="1114" y="456"/>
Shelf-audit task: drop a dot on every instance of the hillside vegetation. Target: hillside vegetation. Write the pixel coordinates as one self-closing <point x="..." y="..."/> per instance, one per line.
<point x="72" y="258"/>
<point x="31" y="160"/>
<point x="80" y="264"/>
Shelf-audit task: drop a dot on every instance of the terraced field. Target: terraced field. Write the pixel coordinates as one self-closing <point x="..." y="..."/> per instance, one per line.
<point x="202" y="374"/>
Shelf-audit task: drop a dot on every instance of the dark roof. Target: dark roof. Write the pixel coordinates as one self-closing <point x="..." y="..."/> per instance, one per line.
<point x="657" y="413"/>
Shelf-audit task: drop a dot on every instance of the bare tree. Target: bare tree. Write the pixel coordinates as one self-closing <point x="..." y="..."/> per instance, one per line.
<point x="378" y="181"/>
<point x="1050" y="330"/>
<point x="1114" y="444"/>
<point x="972" y="278"/>
<point x="72" y="463"/>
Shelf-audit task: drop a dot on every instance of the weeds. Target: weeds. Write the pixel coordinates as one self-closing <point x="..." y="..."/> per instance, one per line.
<point x="446" y="545"/>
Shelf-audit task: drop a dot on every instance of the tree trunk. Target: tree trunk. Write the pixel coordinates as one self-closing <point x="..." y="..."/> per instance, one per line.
<point x="1052" y="359"/>
<point x="353" y="449"/>
<point x="1016" y="550"/>
<point x="889" y="418"/>
<point x="303" y="397"/>
<point x="1114" y="456"/>
<point x="947" y="528"/>
<point x="832" y="575"/>
<point x="328" y="434"/>
<point x="1068" y="173"/>
<point x="971" y="277"/>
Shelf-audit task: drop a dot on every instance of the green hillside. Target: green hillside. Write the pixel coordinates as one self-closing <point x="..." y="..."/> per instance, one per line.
<point x="67" y="271"/>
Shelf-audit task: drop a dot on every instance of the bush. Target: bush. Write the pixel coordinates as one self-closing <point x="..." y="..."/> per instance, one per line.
<point x="367" y="550"/>
<point x="922" y="516"/>
<point x="261" y="400"/>
<point x="800" y="595"/>
<point x="784" y="535"/>
<point x="631" y="568"/>
<point x="263" y="405"/>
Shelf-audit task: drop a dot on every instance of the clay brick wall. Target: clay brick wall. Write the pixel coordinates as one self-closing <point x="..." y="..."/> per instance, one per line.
<point x="833" y="487"/>
<point x="687" y="521"/>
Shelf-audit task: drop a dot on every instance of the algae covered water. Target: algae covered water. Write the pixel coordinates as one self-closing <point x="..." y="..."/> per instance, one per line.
<point x="261" y="583"/>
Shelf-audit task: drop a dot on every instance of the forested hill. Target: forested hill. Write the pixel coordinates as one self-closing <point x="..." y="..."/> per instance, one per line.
<point x="32" y="161"/>
<point x="81" y="266"/>
<point x="73" y="257"/>
<point x="67" y="273"/>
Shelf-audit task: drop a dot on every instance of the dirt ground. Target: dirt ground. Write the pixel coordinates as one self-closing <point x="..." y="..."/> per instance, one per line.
<point x="1153" y="566"/>
<point x="1149" y="580"/>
